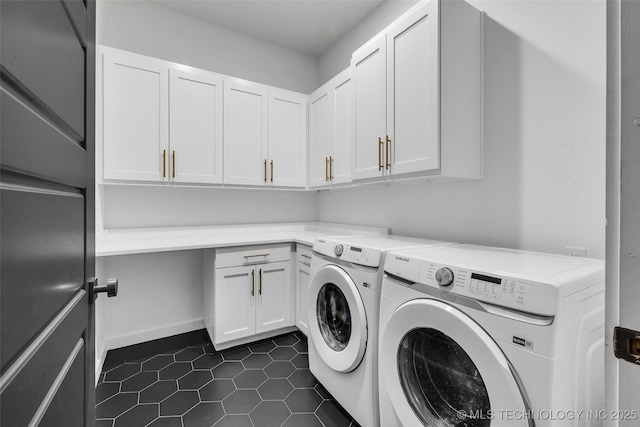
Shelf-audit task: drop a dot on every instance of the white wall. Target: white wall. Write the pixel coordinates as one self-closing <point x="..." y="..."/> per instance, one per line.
<point x="544" y="136"/>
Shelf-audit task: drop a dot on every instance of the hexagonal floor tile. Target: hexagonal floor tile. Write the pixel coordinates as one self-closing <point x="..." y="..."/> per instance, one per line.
<point x="286" y="340"/>
<point x="122" y="372"/>
<point x="194" y="380"/>
<point x="157" y="362"/>
<point x="301" y="361"/>
<point x="301" y="346"/>
<point x="279" y="369"/>
<point x="207" y="361"/>
<point x="203" y="414"/>
<point x="235" y="421"/>
<point x="106" y="390"/>
<point x="257" y="361"/>
<point x="237" y="353"/>
<point x="303" y="378"/>
<point x="139" y="415"/>
<point x="275" y="389"/>
<point x="250" y="378"/>
<point x="241" y="402"/>
<point x="303" y="400"/>
<point x="158" y="391"/>
<point x="217" y="390"/>
<point x="179" y="403"/>
<point x="283" y="353"/>
<point x="270" y="414"/>
<point x="175" y="371"/>
<point x="139" y="381"/>
<point x="227" y="370"/>
<point x="332" y="415"/>
<point x="262" y="346"/>
<point x="306" y="420"/>
<point x="189" y="354"/>
<point x="116" y="405"/>
<point x="166" y="422"/>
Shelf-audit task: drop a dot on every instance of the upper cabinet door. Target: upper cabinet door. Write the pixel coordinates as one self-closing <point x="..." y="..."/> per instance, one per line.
<point x="320" y="126"/>
<point x="340" y="155"/>
<point x="370" y="109"/>
<point x="413" y="92"/>
<point x="245" y="133"/>
<point x="135" y="111"/>
<point x="287" y="163"/>
<point x="195" y="127"/>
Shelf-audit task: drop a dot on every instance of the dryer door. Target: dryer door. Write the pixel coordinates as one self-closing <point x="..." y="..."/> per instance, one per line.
<point x="339" y="328"/>
<point x="440" y="368"/>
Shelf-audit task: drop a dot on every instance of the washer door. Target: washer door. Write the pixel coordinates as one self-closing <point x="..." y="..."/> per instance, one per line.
<point x="338" y="330"/>
<point x="440" y="368"/>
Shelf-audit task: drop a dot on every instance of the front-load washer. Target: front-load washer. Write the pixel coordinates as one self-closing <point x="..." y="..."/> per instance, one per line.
<point x="479" y="336"/>
<point x="343" y="306"/>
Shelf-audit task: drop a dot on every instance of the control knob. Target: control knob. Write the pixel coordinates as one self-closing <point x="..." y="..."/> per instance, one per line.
<point x="444" y="276"/>
<point x="338" y="249"/>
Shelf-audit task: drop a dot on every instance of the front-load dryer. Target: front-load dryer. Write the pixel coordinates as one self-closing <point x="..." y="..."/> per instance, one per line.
<point x="478" y="336"/>
<point x="343" y="306"/>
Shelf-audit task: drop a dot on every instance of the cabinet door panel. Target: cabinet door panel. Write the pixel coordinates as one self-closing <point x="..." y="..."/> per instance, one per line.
<point x="287" y="138"/>
<point x="196" y="127"/>
<point x="320" y="113"/>
<point x="135" y="110"/>
<point x="273" y="294"/>
<point x="233" y="303"/>
<point x="370" y="108"/>
<point x="302" y="293"/>
<point x="413" y="92"/>
<point x="340" y="169"/>
<point x="245" y="133"/>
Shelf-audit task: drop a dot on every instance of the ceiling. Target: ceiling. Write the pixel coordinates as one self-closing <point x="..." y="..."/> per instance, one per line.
<point x="307" y="26"/>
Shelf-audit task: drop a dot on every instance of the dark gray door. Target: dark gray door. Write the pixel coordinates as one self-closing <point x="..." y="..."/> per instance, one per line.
<point x="47" y="57"/>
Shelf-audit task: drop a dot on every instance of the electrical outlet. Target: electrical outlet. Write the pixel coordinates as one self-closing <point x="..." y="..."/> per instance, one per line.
<point x="575" y="251"/>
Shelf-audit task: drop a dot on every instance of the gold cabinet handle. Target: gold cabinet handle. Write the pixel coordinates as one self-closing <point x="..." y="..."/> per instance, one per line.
<point x="173" y="168"/>
<point x="253" y="283"/>
<point x="379" y="154"/>
<point x="388" y="162"/>
<point x="164" y="163"/>
<point x="260" y="288"/>
<point x="330" y="168"/>
<point x="246" y="257"/>
<point x="326" y="169"/>
<point x="271" y="170"/>
<point x="265" y="170"/>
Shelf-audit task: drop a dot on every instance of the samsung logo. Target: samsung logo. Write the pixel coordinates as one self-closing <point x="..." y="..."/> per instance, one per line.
<point x="399" y="258"/>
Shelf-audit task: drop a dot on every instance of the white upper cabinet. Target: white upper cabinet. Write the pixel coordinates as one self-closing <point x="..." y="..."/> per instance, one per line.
<point x="265" y="135"/>
<point x="418" y="96"/>
<point x="330" y="132"/>
<point x="195" y="136"/>
<point x="135" y="94"/>
<point x="245" y="133"/>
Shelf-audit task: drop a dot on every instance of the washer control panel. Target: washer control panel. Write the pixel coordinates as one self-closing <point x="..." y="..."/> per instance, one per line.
<point x="349" y="253"/>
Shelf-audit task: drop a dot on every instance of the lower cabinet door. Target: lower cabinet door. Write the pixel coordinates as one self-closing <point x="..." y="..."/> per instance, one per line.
<point x="302" y="293"/>
<point x="273" y="296"/>
<point x="235" y="297"/>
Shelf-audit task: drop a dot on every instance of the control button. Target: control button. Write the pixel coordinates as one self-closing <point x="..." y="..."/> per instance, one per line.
<point x="338" y="250"/>
<point x="444" y="276"/>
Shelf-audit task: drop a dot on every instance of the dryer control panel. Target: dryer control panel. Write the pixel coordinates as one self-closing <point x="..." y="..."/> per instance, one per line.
<point x="349" y="253"/>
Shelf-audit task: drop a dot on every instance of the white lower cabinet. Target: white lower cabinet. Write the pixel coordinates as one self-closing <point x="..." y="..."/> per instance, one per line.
<point x="247" y="293"/>
<point x="303" y="278"/>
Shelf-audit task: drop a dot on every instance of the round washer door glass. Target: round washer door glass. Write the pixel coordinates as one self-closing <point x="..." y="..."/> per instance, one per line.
<point x="334" y="317"/>
<point x="440" y="381"/>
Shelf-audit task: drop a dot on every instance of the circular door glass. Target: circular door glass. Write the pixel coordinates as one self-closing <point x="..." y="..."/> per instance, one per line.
<point x="334" y="317"/>
<point x="440" y="381"/>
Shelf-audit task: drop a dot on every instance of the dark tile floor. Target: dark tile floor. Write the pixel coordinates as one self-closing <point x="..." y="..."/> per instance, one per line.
<point x="263" y="384"/>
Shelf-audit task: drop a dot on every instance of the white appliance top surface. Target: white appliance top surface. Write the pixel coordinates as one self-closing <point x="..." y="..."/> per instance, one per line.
<point x="510" y="262"/>
<point x="385" y="243"/>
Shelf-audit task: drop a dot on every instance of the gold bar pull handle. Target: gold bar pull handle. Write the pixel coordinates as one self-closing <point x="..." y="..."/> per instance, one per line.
<point x="260" y="288"/>
<point x="164" y="163"/>
<point x="380" y="154"/>
<point x="388" y="162"/>
<point x="330" y="168"/>
<point x="253" y="283"/>
<point x="326" y="169"/>
<point x="173" y="169"/>
<point x="271" y="170"/>
<point x="265" y="170"/>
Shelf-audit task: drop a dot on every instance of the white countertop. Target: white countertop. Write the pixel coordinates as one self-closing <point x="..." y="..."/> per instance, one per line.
<point x="147" y="240"/>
